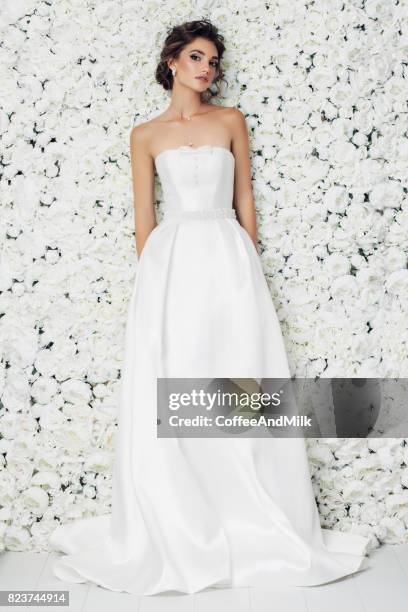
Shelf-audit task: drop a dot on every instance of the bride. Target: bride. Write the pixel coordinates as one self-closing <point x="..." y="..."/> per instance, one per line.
<point x="191" y="513"/>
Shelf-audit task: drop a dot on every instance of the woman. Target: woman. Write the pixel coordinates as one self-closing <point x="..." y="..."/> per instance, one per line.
<point x="190" y="513"/>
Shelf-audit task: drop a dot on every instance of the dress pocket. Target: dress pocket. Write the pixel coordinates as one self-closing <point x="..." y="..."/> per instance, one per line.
<point x="147" y="242"/>
<point x="249" y="239"/>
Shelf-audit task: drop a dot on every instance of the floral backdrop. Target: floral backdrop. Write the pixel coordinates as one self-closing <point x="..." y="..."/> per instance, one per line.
<point x="322" y="84"/>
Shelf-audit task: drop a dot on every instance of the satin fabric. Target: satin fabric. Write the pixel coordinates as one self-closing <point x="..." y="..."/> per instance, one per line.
<point x="191" y="513"/>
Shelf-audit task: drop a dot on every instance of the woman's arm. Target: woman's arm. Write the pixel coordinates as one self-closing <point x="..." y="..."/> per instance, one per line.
<point x="143" y="186"/>
<point x="243" y="195"/>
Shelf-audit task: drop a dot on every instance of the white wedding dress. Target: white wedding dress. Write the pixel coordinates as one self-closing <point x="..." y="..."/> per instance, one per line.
<point x="191" y="513"/>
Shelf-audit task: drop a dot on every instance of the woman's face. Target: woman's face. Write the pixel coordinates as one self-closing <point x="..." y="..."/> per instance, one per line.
<point x="198" y="59"/>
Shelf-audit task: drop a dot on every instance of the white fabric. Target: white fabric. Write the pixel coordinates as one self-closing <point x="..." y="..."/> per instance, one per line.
<point x="190" y="513"/>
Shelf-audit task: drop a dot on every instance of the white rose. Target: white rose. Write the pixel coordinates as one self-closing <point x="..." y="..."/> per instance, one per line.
<point x="89" y="491"/>
<point x="394" y="502"/>
<point x="76" y="391"/>
<point x="395" y="259"/>
<point x="19" y="344"/>
<point x="376" y="9"/>
<point x="44" y="389"/>
<point x="395" y="529"/>
<point x="335" y="199"/>
<point x="385" y="194"/>
<point x="16" y="538"/>
<point x="337" y="264"/>
<point x="345" y="287"/>
<point x="99" y="461"/>
<point x="36" y="499"/>
<point x="397" y="283"/>
<point x="372" y="512"/>
<point x="321" y="455"/>
<point x="48" y="480"/>
<point x="74" y="437"/>
<point x="8" y="489"/>
<point x="353" y="491"/>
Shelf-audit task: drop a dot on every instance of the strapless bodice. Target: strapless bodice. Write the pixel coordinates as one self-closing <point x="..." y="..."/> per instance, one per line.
<point x="195" y="179"/>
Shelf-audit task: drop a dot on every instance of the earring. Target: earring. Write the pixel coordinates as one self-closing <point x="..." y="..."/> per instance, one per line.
<point x="173" y="71"/>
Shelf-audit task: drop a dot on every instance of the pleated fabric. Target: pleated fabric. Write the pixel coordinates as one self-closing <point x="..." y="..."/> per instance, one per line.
<point x="190" y="513"/>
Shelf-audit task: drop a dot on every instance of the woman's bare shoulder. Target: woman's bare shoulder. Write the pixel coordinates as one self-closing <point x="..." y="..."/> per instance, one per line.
<point x="222" y="109"/>
<point x="141" y="134"/>
<point x="230" y="114"/>
<point x="232" y="111"/>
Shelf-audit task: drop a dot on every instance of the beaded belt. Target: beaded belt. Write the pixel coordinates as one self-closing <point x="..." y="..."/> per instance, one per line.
<point x="214" y="213"/>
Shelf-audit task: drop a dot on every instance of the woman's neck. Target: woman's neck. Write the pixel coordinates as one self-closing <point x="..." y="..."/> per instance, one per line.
<point x="182" y="106"/>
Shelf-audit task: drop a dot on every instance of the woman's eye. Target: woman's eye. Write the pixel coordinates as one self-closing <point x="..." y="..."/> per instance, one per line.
<point x="195" y="56"/>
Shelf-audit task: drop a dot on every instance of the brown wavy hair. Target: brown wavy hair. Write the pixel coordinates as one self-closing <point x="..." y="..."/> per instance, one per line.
<point x="180" y="36"/>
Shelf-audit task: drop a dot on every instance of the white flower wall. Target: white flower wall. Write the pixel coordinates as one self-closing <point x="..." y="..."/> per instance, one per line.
<point x="323" y="87"/>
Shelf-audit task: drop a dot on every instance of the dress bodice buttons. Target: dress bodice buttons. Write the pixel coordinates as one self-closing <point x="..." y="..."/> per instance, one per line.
<point x="197" y="182"/>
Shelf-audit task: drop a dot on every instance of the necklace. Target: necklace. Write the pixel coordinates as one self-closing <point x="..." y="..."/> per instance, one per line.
<point x="190" y="143"/>
<point x="188" y="118"/>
